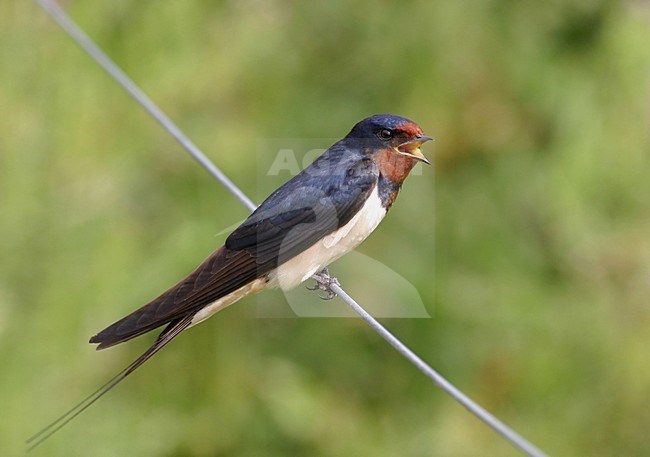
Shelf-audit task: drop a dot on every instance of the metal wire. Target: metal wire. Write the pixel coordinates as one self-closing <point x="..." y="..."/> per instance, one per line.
<point x="127" y="83"/>
<point x="143" y="100"/>
<point x="498" y="426"/>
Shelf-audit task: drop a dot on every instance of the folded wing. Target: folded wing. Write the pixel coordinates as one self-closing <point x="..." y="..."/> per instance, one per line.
<point x="297" y="215"/>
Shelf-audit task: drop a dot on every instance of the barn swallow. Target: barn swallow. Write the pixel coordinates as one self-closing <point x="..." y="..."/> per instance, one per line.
<point x="316" y="217"/>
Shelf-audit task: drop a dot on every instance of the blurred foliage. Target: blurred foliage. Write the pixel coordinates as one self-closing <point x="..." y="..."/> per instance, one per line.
<point x="540" y="280"/>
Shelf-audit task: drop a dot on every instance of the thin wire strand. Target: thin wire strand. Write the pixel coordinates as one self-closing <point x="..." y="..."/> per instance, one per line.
<point x="64" y="21"/>
<point x="498" y="426"/>
<point x="143" y="100"/>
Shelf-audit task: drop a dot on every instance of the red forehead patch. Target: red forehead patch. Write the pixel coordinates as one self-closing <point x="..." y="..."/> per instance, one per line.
<point x="410" y="128"/>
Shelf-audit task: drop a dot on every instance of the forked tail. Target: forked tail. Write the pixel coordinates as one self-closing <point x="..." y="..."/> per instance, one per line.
<point x="170" y="332"/>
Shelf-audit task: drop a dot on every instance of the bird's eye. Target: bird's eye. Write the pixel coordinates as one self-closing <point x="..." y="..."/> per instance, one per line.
<point x="385" y="134"/>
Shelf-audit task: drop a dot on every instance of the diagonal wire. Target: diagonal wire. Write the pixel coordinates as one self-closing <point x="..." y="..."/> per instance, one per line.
<point x="134" y="91"/>
<point x="64" y="21"/>
<point x="498" y="426"/>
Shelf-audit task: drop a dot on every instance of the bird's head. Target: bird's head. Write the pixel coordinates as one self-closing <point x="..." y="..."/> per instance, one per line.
<point x="393" y="142"/>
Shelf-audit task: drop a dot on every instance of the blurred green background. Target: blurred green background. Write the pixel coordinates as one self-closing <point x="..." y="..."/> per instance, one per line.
<point x="531" y="247"/>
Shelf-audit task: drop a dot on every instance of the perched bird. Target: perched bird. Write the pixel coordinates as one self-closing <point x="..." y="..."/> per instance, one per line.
<point x="316" y="217"/>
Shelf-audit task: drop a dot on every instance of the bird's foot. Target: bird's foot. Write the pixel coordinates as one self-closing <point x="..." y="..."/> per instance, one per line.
<point x="323" y="282"/>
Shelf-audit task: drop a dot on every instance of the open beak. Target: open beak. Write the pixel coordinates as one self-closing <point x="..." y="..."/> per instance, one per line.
<point x="411" y="148"/>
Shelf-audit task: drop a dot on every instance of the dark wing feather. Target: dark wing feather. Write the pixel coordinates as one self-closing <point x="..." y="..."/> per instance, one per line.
<point x="324" y="197"/>
<point x="223" y="272"/>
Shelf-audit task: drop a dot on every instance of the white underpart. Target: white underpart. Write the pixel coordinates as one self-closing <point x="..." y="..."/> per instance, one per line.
<point x="314" y="259"/>
<point x="251" y="288"/>
<point x="327" y="250"/>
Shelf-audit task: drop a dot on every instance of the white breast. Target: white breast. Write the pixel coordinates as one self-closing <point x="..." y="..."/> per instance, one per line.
<point x="333" y="246"/>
